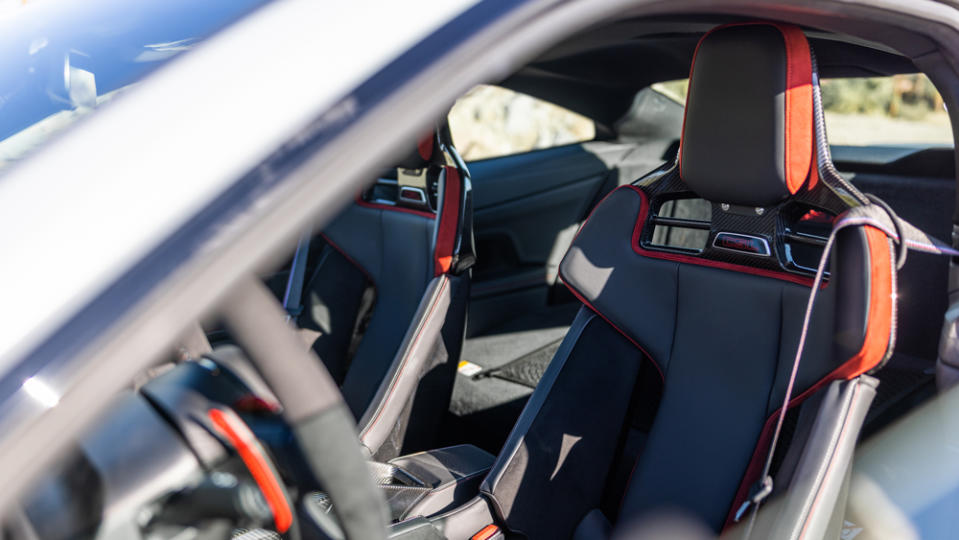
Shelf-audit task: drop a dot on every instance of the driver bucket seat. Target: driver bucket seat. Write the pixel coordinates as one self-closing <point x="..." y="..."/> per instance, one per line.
<point x="665" y="394"/>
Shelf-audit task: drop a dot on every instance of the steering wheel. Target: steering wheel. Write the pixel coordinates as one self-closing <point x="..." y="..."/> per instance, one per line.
<point x="312" y="406"/>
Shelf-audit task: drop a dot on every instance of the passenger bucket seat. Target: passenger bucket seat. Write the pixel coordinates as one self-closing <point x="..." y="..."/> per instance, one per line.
<point x="380" y="295"/>
<point x="667" y="393"/>
<point x="402" y="252"/>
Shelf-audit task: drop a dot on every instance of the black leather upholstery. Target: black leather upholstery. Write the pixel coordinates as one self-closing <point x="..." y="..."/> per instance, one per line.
<point x="394" y="249"/>
<point x="721" y="335"/>
<point x="399" y="377"/>
<point x="337" y="296"/>
<point x="724" y="341"/>
<point x="734" y="134"/>
<point x="553" y="467"/>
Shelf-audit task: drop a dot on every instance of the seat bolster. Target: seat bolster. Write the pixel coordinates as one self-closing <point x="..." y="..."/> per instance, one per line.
<point x="401" y="380"/>
<point x="852" y="297"/>
<point x="594" y="526"/>
<point x="555" y="465"/>
<point x="865" y="311"/>
<point x="393" y="248"/>
<point x="535" y="403"/>
<point x="813" y="492"/>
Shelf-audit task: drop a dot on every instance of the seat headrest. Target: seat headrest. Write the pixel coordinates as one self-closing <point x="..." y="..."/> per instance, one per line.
<point x="748" y="132"/>
<point x="428" y="149"/>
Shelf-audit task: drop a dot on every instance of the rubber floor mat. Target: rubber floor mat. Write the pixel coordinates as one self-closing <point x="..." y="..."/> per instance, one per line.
<point x="527" y="369"/>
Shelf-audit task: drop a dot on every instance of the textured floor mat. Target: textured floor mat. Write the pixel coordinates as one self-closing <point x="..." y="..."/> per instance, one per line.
<point x="529" y="368"/>
<point x="483" y="409"/>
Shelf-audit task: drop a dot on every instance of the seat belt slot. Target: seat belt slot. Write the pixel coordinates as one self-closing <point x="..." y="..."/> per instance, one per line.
<point x="414" y="188"/>
<point x="293" y="297"/>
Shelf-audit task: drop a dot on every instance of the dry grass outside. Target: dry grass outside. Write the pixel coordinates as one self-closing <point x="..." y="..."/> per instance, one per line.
<point x="490" y="121"/>
<point x="902" y="109"/>
<point x="876" y="129"/>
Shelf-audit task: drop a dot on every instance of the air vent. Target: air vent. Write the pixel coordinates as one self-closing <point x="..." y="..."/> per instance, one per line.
<point x="805" y="232"/>
<point x="681" y="225"/>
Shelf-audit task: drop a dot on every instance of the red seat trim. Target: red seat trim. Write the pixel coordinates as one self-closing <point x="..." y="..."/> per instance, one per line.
<point x="425" y="147"/>
<point x="588" y="304"/>
<point x="449" y="222"/>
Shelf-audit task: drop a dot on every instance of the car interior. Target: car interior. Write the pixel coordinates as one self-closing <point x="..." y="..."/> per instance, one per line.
<point x="694" y="317"/>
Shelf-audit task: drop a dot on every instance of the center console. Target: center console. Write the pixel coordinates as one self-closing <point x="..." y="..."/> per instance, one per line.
<point x="418" y="486"/>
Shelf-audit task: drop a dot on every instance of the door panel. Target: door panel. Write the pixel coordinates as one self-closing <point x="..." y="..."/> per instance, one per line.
<point x="528" y="227"/>
<point x="919" y="183"/>
<point x="527" y="209"/>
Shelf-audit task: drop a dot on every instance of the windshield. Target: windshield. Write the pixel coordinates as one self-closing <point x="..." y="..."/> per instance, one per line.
<point x="63" y="59"/>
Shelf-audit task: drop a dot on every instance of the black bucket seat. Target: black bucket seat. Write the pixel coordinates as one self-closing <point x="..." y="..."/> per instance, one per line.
<point x="666" y="393"/>
<point x="380" y="296"/>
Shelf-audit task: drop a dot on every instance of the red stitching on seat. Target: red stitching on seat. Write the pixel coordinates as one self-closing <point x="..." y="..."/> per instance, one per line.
<point x="637" y="231"/>
<point x="586" y="302"/>
<point x="406" y="357"/>
<point x="348" y="258"/>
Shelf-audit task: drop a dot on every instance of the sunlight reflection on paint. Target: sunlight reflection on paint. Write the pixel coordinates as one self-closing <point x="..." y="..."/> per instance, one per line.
<point x="41" y="392"/>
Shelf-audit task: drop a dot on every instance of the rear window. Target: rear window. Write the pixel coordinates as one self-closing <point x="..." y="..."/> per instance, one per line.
<point x="872" y="111"/>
